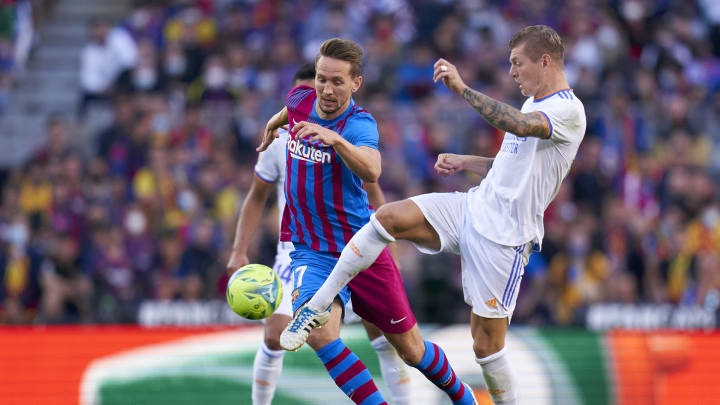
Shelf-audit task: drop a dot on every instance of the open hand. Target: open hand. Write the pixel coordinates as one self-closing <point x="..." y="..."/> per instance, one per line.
<point x="448" y="73"/>
<point x="268" y="137"/>
<point x="314" y="132"/>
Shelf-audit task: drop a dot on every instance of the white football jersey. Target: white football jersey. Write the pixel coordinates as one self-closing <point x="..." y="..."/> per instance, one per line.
<point x="508" y="205"/>
<point x="270" y="168"/>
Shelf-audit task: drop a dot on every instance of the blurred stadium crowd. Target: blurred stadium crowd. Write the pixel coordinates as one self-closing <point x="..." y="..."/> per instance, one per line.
<point x="18" y="20"/>
<point x="147" y="210"/>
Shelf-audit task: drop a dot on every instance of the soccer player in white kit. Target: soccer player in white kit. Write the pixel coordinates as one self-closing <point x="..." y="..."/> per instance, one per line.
<point x="495" y="226"/>
<point x="267" y="367"/>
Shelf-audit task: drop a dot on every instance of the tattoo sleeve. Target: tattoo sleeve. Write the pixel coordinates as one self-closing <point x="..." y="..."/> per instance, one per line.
<point x="505" y="117"/>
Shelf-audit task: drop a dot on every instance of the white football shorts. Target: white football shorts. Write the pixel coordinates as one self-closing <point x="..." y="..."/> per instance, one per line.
<point x="282" y="268"/>
<point x="491" y="273"/>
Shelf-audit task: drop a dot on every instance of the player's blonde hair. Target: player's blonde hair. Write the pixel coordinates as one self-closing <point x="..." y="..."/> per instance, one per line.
<point x="539" y="40"/>
<point x="343" y="49"/>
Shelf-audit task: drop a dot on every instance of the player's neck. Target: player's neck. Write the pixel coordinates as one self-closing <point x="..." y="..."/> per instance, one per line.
<point x="555" y="83"/>
<point x="329" y="117"/>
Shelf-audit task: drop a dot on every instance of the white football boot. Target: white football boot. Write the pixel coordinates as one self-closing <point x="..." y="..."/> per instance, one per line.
<point x="298" y="330"/>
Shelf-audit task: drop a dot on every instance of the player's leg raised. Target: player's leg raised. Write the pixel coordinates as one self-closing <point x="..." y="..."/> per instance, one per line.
<point x="398" y="220"/>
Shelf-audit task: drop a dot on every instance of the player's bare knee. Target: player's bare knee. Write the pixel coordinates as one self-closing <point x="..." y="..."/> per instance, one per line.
<point x="273" y="342"/>
<point x="320" y="338"/>
<point x="411" y="354"/>
<point x="386" y="216"/>
<point x="486" y="347"/>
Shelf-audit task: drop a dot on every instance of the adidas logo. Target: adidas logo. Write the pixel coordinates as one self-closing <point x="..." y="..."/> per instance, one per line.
<point x="492" y="303"/>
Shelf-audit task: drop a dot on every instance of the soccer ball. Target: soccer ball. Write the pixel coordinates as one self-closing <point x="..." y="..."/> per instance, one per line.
<point x="254" y="291"/>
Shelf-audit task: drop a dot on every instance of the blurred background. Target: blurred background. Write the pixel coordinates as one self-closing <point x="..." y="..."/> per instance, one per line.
<point x="128" y="128"/>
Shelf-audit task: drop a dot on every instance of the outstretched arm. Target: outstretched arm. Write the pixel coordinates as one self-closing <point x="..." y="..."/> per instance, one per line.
<point x="450" y="163"/>
<point x="277" y="121"/>
<point x="496" y="113"/>
<point x="505" y="117"/>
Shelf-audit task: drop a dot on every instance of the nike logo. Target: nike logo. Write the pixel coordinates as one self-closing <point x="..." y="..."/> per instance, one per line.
<point x="392" y="321"/>
<point x="294" y="122"/>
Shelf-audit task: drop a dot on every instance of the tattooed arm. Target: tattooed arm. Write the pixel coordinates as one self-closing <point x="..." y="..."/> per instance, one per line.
<point x="496" y="113"/>
<point x="505" y="117"/>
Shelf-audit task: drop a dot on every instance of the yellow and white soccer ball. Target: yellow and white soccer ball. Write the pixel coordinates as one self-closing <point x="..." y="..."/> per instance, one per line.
<point x="254" y="291"/>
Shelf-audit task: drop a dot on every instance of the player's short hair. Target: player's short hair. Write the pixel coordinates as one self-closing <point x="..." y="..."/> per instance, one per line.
<point x="343" y="49"/>
<point x="306" y="72"/>
<point x="539" y="40"/>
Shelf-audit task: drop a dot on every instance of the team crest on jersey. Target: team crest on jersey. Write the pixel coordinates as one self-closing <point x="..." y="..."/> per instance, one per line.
<point x="306" y="152"/>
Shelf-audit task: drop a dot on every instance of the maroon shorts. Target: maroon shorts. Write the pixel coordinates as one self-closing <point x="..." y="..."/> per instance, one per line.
<point x="378" y="296"/>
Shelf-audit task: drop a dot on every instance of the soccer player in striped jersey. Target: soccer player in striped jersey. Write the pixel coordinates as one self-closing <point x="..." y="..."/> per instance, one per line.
<point x="267" y="367"/>
<point x="495" y="226"/>
<point x="331" y="153"/>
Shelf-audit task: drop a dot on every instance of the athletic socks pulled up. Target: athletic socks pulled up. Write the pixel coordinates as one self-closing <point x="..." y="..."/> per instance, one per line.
<point x="395" y="372"/>
<point x="350" y="374"/>
<point x="359" y="254"/>
<point x="436" y="368"/>
<point x="267" y="368"/>
<point x="498" y="378"/>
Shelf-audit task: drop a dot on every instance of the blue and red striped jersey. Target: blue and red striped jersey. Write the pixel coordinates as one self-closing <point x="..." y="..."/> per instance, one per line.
<point x="325" y="201"/>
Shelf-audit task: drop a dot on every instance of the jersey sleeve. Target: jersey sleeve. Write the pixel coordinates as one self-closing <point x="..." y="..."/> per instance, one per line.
<point x="299" y="103"/>
<point x="362" y="130"/>
<point x="566" y="121"/>
<point x="267" y="167"/>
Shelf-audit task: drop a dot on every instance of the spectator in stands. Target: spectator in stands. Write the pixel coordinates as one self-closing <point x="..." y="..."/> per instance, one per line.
<point x="109" y="51"/>
<point x="19" y="271"/>
<point x="145" y="75"/>
<point x="635" y="221"/>
<point x="57" y="145"/>
<point x="67" y="289"/>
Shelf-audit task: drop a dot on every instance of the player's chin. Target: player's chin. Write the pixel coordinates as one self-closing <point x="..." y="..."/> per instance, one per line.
<point x="328" y="109"/>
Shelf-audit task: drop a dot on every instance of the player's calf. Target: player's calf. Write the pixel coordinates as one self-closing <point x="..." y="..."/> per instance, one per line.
<point x="350" y="374"/>
<point x="436" y="368"/>
<point x="274" y="326"/>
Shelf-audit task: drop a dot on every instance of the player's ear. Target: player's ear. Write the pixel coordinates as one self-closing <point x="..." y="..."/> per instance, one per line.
<point x="545" y="60"/>
<point x="356" y="82"/>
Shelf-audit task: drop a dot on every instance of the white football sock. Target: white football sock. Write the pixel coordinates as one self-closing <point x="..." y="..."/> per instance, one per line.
<point x="361" y="252"/>
<point x="394" y="371"/>
<point x="267" y="368"/>
<point x="498" y="378"/>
